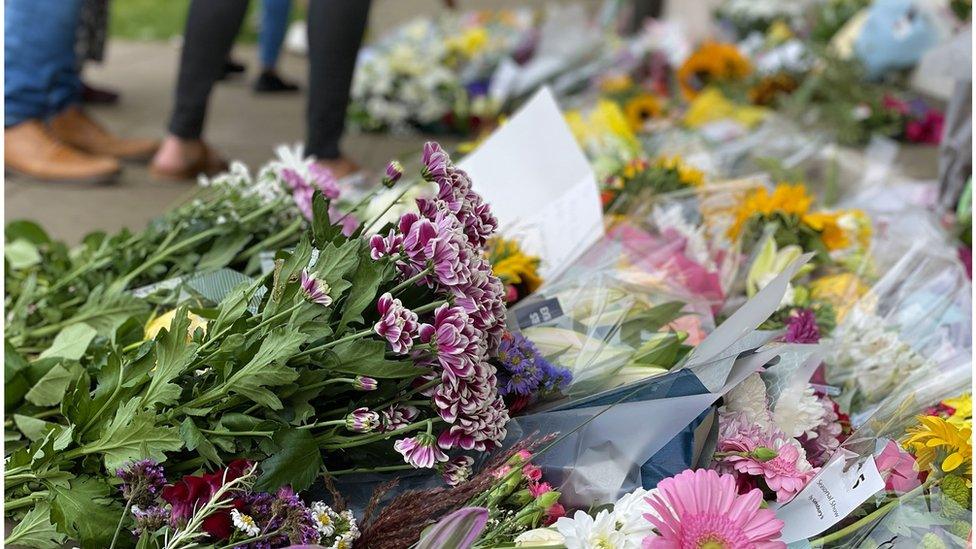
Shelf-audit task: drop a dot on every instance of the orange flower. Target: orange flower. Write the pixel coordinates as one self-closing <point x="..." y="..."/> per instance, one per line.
<point x="786" y="199"/>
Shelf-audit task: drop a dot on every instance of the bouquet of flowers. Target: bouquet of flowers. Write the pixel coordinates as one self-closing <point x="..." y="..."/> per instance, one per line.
<point x="433" y="73"/>
<point x="360" y="351"/>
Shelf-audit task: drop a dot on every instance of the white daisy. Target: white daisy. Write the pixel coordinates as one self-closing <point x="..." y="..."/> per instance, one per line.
<point x="244" y="523"/>
<point x="324" y="518"/>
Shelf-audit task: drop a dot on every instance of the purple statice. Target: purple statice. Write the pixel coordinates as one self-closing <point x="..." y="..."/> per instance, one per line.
<point x="297" y="523"/>
<point x="149" y="519"/>
<point x="397" y="324"/>
<point x="142" y="482"/>
<point x="802" y="327"/>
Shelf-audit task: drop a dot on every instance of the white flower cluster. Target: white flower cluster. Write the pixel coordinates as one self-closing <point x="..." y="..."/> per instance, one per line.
<point x="338" y="530"/>
<point x="622" y="527"/>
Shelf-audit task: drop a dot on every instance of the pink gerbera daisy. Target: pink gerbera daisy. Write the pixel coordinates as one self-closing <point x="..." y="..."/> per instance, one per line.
<point x="702" y="510"/>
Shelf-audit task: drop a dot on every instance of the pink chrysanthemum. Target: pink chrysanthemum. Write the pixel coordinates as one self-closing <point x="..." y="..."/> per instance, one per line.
<point x="702" y="509"/>
<point x="786" y="474"/>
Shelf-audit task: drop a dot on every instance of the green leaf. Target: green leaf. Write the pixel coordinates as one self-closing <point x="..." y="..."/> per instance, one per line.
<point x="15" y="380"/>
<point x="50" y="389"/>
<point x="26" y="230"/>
<point x="173" y="356"/>
<point x="107" y="310"/>
<point x="267" y="369"/>
<point x="232" y="307"/>
<point x="133" y="435"/>
<point x="71" y="342"/>
<point x="194" y="440"/>
<point x="367" y="357"/>
<point x="33" y="428"/>
<point x="296" y="462"/>
<point x="223" y="251"/>
<point x="335" y="263"/>
<point x="322" y="228"/>
<point x="36" y="530"/>
<point x="365" y="281"/>
<point x="85" y="512"/>
<point x="21" y="254"/>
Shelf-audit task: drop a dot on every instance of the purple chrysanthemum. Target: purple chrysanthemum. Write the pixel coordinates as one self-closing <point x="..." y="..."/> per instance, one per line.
<point x="362" y="420"/>
<point x="420" y="451"/>
<point x="802" y="327"/>
<point x="397" y="324"/>
<point x="315" y="290"/>
<point x="394" y="171"/>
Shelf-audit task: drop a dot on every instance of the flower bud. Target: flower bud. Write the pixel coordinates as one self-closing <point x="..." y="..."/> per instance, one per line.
<point x="362" y="420"/>
<point x="764" y="454"/>
<point x="394" y="171"/>
<point x="364" y="383"/>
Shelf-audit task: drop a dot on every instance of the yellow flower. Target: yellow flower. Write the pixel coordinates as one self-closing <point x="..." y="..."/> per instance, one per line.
<point x="690" y="176"/>
<point x="711" y="105"/>
<point x="164" y="320"/>
<point x="512" y="265"/>
<point x="616" y="83"/>
<point x="840" y="290"/>
<point x="605" y="121"/>
<point x="469" y="43"/>
<point x="935" y="439"/>
<point x="779" y="32"/>
<point x="712" y="62"/>
<point x="840" y="229"/>
<point x="962" y="416"/>
<point x="640" y="109"/>
<point x="765" y="91"/>
<point x="786" y="199"/>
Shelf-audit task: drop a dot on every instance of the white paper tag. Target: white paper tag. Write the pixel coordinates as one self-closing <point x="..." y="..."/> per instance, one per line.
<point x="831" y="495"/>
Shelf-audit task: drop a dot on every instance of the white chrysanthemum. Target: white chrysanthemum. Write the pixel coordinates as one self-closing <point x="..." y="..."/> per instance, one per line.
<point x="798" y="410"/>
<point x="748" y="400"/>
<point x="628" y="515"/>
<point x="586" y="532"/>
<point x="244" y="523"/>
<point x="324" y="518"/>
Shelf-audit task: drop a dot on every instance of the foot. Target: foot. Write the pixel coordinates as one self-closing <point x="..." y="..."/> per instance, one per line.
<point x="98" y="96"/>
<point x="232" y="67"/>
<point x="74" y="127"/>
<point x="270" y="82"/>
<point x="31" y="150"/>
<point x="340" y="167"/>
<point x="185" y="159"/>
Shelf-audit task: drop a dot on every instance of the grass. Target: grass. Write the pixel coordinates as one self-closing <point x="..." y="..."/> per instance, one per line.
<point x="164" y="19"/>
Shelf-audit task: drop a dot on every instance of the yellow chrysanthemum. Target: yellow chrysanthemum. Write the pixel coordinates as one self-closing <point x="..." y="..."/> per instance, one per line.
<point x="512" y="265"/>
<point x="469" y="43"/>
<point x="711" y="105"/>
<point x="616" y="83"/>
<point x="935" y="439"/>
<point x="164" y="320"/>
<point x="962" y="416"/>
<point x="840" y="290"/>
<point x="690" y="176"/>
<point x="640" y="109"/>
<point x="786" y="199"/>
<point x="712" y="62"/>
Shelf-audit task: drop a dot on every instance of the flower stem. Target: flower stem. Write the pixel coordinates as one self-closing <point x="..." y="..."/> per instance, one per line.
<point x="329" y="423"/>
<point x="385" y="469"/>
<point x="412" y="280"/>
<point x="24" y="501"/>
<point x="324" y="346"/>
<point x="367" y="439"/>
<point x="238" y="433"/>
<point x="376" y="219"/>
<point x="429" y="307"/>
<point x="251" y="540"/>
<point x="118" y="528"/>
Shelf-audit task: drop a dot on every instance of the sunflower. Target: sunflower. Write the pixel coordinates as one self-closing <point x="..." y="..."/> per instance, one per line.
<point x="785" y="199"/>
<point x="711" y="62"/>
<point x="640" y="109"/>
<point x="512" y="265"/>
<point x="935" y="439"/>
<point x="688" y="175"/>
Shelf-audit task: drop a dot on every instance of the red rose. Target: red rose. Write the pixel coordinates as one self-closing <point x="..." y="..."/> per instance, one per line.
<point x="193" y="492"/>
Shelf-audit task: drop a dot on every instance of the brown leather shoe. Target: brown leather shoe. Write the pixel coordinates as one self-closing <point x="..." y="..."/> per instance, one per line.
<point x="79" y="130"/>
<point x="31" y="150"/>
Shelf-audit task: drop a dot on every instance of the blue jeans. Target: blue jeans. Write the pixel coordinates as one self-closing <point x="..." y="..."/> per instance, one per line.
<point x="41" y="71"/>
<point x="274" y="23"/>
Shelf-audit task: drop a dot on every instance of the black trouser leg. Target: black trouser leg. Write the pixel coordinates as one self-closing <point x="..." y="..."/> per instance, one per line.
<point x="335" y="32"/>
<point x="211" y="26"/>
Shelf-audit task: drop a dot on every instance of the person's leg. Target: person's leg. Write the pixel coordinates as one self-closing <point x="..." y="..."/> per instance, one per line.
<point x="335" y="32"/>
<point x="211" y="26"/>
<point x="41" y="80"/>
<point x="39" y="61"/>
<point x="274" y="24"/>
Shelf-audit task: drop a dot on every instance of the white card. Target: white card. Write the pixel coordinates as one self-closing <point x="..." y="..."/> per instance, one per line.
<point x="539" y="184"/>
<point x="829" y="498"/>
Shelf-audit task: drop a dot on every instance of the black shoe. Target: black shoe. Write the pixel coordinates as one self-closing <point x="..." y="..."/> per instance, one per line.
<point x="270" y="82"/>
<point x="232" y="67"/>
